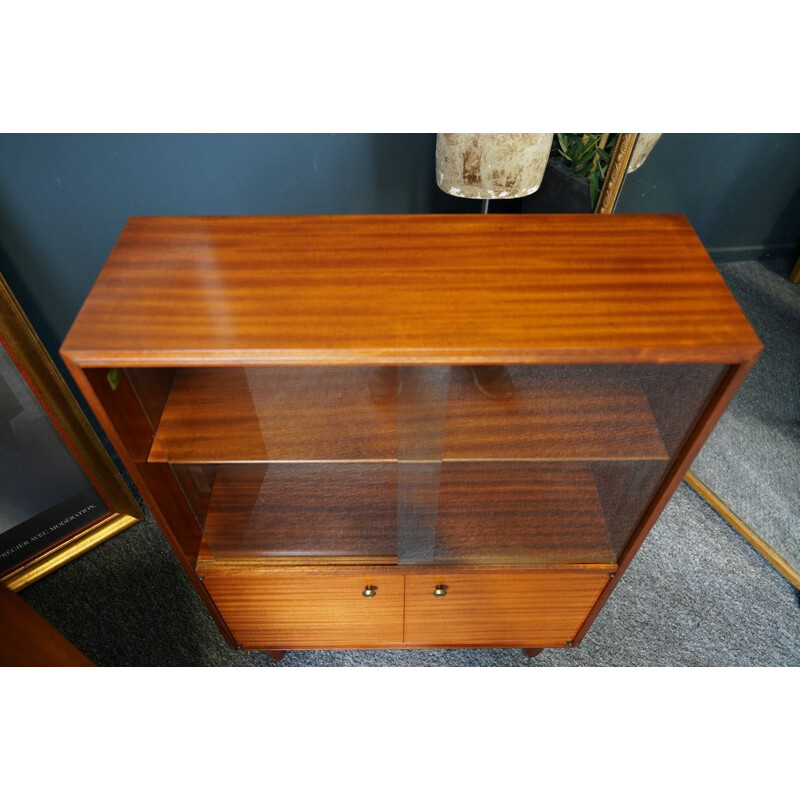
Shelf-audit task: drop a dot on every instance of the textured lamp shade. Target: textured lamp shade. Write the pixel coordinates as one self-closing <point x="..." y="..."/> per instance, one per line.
<point x="644" y="144"/>
<point x="491" y="166"/>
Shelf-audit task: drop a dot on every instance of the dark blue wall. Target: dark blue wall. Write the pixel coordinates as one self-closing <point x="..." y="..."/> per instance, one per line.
<point x="65" y="198"/>
<point x="741" y="191"/>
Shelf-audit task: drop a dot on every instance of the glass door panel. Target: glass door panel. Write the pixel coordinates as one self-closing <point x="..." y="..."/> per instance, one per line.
<point x="503" y="464"/>
<point x="538" y="464"/>
<point x="299" y="512"/>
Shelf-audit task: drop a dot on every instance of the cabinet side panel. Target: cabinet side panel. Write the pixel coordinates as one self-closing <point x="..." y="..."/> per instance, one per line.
<point x="152" y="387"/>
<point x="129" y="430"/>
<point x="718" y="401"/>
<point x="133" y="434"/>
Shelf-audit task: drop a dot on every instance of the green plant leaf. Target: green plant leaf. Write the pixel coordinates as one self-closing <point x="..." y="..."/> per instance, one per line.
<point x="594" y="188"/>
<point x="583" y="153"/>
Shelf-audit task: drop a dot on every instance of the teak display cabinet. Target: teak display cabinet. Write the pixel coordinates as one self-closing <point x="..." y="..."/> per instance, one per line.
<point x="408" y="431"/>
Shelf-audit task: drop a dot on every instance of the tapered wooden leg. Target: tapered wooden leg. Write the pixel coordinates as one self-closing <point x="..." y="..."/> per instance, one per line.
<point x="532" y="652"/>
<point x="276" y="654"/>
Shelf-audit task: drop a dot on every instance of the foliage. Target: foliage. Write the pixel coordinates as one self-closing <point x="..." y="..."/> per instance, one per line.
<point x="588" y="154"/>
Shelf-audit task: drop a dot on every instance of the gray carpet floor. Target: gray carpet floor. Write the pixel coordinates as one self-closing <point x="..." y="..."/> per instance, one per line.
<point x="752" y="459"/>
<point x="695" y="595"/>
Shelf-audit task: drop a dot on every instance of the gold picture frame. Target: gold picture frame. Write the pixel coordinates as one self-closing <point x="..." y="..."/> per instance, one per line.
<point x="564" y="191"/>
<point x="615" y="173"/>
<point x="119" y="509"/>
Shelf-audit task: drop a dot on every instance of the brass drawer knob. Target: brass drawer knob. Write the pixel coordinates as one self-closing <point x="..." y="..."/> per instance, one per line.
<point x="440" y="591"/>
<point x="370" y="591"/>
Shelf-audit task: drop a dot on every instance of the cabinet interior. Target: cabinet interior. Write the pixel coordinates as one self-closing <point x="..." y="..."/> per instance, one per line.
<point x="554" y="465"/>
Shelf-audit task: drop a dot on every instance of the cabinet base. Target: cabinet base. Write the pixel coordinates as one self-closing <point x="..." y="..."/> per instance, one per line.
<point x="532" y="652"/>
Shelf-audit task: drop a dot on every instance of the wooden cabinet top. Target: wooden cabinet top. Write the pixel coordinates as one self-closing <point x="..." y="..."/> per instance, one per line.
<point x="469" y="288"/>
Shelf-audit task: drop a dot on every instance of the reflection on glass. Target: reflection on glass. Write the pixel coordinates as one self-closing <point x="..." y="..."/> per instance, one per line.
<point x="335" y="511"/>
<point x="44" y="493"/>
<point x="427" y="464"/>
<point x="494" y="381"/>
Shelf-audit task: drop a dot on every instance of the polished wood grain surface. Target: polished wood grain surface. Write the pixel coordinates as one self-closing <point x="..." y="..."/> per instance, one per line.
<point x="122" y="405"/>
<point x="152" y="387"/>
<point x="302" y="511"/>
<point x="279" y="610"/>
<point x="131" y="433"/>
<point x="275" y="414"/>
<point x="285" y="609"/>
<point x="230" y="414"/>
<point x="466" y="288"/>
<point x="520" y="513"/>
<point x="553" y="413"/>
<point x="29" y="640"/>
<point x="499" y="609"/>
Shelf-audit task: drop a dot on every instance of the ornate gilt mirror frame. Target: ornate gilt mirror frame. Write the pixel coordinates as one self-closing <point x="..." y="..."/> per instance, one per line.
<point x="615" y="173"/>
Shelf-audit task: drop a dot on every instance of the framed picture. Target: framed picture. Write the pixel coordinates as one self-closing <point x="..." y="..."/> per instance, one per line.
<point x="60" y="493"/>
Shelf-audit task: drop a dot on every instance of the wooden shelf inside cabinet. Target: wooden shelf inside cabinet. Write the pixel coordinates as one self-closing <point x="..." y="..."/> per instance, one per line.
<point x="480" y="513"/>
<point x="326" y="414"/>
<point x="520" y="513"/>
<point x="295" y="512"/>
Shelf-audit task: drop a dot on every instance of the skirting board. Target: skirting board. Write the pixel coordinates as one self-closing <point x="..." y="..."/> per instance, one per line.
<point x="722" y="255"/>
<point x="737" y="524"/>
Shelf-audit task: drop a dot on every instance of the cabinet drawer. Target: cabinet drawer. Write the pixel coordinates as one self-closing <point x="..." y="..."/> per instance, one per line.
<point x="499" y="609"/>
<point x="278" y="610"/>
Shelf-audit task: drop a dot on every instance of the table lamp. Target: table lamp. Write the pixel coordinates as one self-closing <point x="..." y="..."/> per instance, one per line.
<point x="491" y="166"/>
